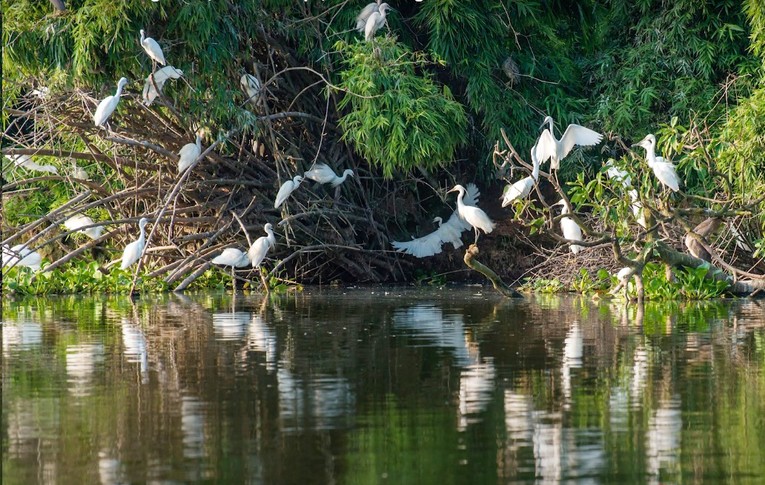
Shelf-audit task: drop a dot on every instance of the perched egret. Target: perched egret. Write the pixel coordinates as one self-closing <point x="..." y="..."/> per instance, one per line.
<point x="472" y="214"/>
<point x="158" y="78"/>
<point x="323" y="174"/>
<point x="107" y="106"/>
<point x="260" y="247"/>
<point x="623" y="276"/>
<point x="79" y="172"/>
<point x="133" y="251"/>
<point x="556" y="150"/>
<point x="447" y="232"/>
<point x="663" y="169"/>
<point x="620" y="175"/>
<point x="20" y="255"/>
<point x="80" y="220"/>
<point x="570" y="228"/>
<point x="152" y="48"/>
<point x="522" y="188"/>
<point x="232" y="257"/>
<point x="251" y="85"/>
<point x="361" y="19"/>
<point x="375" y="21"/>
<point x="637" y="208"/>
<point x="286" y="189"/>
<point x="188" y="153"/>
<point x="25" y="161"/>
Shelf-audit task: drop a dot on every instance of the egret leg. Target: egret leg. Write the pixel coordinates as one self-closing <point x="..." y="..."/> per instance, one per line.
<point x="476" y="236"/>
<point x="233" y="280"/>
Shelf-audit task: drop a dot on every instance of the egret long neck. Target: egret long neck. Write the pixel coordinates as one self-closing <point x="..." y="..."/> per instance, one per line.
<point x="142" y="236"/>
<point x="271" y="238"/>
<point x="119" y="90"/>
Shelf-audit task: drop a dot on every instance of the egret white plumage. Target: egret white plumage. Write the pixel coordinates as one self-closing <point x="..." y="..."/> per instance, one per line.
<point x="133" y="251"/>
<point x="323" y="174"/>
<point x="548" y="147"/>
<point x="637" y="208"/>
<point x="20" y="255"/>
<point x="447" y="232"/>
<point x="472" y="214"/>
<point x="664" y="170"/>
<point x="152" y="48"/>
<point x="25" y="161"/>
<point x="375" y="20"/>
<point x="620" y="175"/>
<point x="81" y="220"/>
<point x="623" y="276"/>
<point x="159" y="77"/>
<point x="260" y="247"/>
<point x="570" y="228"/>
<point x="79" y="172"/>
<point x="251" y="85"/>
<point x="232" y="257"/>
<point x="188" y="153"/>
<point x="522" y="188"/>
<point x="107" y="106"/>
<point x="361" y="19"/>
<point x="286" y="189"/>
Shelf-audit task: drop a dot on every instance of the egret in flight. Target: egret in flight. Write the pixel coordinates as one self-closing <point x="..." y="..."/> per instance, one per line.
<point x="78" y="221"/>
<point x="570" y="228"/>
<point x="258" y="250"/>
<point x="107" y="106"/>
<point x="556" y="150"/>
<point x="20" y="255"/>
<point x="472" y="214"/>
<point x="188" y="153"/>
<point x="522" y="188"/>
<point x="663" y="169"/>
<point x="251" y="85"/>
<point x="159" y="77"/>
<point x="323" y="174"/>
<point x="286" y="189"/>
<point x="375" y="20"/>
<point x="153" y="49"/>
<point x="447" y="232"/>
<point x="133" y="251"/>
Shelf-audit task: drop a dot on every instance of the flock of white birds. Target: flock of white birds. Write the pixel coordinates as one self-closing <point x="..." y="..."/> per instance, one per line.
<point x="467" y="215"/>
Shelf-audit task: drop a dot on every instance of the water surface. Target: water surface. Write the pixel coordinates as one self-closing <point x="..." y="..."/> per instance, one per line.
<point x="373" y="386"/>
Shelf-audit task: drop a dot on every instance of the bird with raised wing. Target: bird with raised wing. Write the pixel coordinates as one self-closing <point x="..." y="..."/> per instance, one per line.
<point x="156" y="82"/>
<point x="189" y="153"/>
<point x="323" y="174"/>
<point x="664" y="170"/>
<point x="79" y="221"/>
<point x="570" y="229"/>
<point x="522" y="188"/>
<point x="286" y="189"/>
<point x="107" y="106"/>
<point x="550" y="148"/>
<point x="133" y="251"/>
<point x="472" y="215"/>
<point x="152" y="48"/>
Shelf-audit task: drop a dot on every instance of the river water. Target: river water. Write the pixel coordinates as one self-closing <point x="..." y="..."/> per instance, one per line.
<point x="369" y="386"/>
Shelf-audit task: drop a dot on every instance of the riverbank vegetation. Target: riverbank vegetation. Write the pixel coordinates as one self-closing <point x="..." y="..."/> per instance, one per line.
<point x="447" y="92"/>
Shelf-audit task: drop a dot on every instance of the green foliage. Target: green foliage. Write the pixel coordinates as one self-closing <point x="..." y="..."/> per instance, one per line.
<point x="396" y="115"/>
<point x="585" y="283"/>
<point x="691" y="284"/>
<point x="542" y="285"/>
<point x="431" y="278"/>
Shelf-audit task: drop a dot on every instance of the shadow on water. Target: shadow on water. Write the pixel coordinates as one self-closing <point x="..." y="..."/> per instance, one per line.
<point x="376" y="385"/>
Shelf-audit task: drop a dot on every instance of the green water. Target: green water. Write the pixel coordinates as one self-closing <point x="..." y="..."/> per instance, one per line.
<point x="368" y="386"/>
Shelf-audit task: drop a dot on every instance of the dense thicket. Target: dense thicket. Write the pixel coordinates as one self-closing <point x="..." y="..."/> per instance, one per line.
<point x="413" y="112"/>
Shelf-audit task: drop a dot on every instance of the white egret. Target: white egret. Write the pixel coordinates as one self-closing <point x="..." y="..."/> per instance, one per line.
<point x="323" y="174"/>
<point x="25" y="161"/>
<point x="80" y="220"/>
<point x="447" y="232"/>
<point x="107" y="106"/>
<point x="251" y="85"/>
<point x="361" y="19"/>
<point x="152" y="48"/>
<point x="570" y="228"/>
<point x="159" y="77"/>
<point x="260" y="247"/>
<point x="664" y="170"/>
<point x="232" y="257"/>
<point x="623" y="276"/>
<point x="188" y="153"/>
<point x="20" y="255"/>
<point x="79" y="172"/>
<point x="522" y="188"/>
<point x="620" y="175"/>
<point x="548" y="147"/>
<point x="286" y="189"/>
<point x="472" y="214"/>
<point x="375" y="21"/>
<point x="637" y="208"/>
<point x="133" y="251"/>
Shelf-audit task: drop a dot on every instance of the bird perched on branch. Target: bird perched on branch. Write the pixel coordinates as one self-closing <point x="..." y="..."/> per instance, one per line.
<point x="664" y="170"/>
<point x="522" y="188"/>
<point x="447" y="232"/>
<point x="260" y="247"/>
<point x="375" y="19"/>
<point x="286" y="189"/>
<point x="20" y="255"/>
<point x="188" y="153"/>
<point x="80" y="220"/>
<point x="133" y="251"/>
<point x="323" y="174"/>
<point x="569" y="227"/>
<point x="107" y="106"/>
<point x="152" y="48"/>
<point x="548" y="147"/>
<point x="473" y="215"/>
<point x="158" y="78"/>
